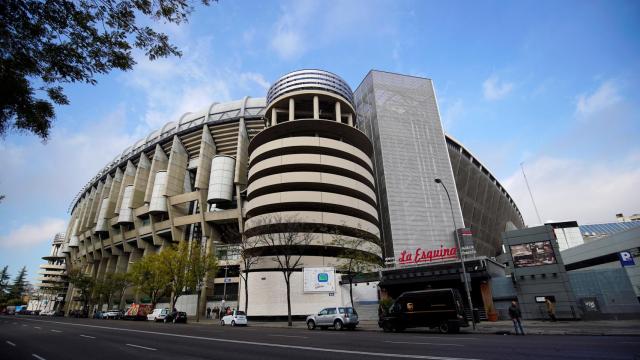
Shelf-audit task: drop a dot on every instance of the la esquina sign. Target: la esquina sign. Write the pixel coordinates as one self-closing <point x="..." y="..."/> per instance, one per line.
<point x="423" y="256"/>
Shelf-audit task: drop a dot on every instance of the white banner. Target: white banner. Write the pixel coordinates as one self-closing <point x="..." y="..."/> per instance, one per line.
<point x="319" y="279"/>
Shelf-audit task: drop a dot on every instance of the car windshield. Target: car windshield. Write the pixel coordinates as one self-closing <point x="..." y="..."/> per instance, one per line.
<point x="240" y="313"/>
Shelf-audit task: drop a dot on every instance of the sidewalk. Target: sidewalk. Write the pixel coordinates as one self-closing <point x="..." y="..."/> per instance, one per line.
<point x="532" y="327"/>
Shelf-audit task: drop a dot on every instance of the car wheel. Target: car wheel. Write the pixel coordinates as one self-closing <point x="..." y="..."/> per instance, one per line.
<point x="165" y="320"/>
<point x="386" y="327"/>
<point x="174" y="320"/>
<point x="311" y="324"/>
<point x="338" y="325"/>
<point x="443" y="327"/>
<point x="233" y="323"/>
<point x="221" y="322"/>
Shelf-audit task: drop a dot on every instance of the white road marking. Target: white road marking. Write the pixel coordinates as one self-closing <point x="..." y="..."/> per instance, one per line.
<point x="244" y="342"/>
<point x="37" y="327"/>
<point x="56" y="331"/>
<point x="141" y="347"/>
<point x="441" y="337"/>
<point x="291" y="336"/>
<point x="421" y="343"/>
<point x="87" y="336"/>
<point x="10" y="343"/>
<point x="24" y="324"/>
<point x="38" y="357"/>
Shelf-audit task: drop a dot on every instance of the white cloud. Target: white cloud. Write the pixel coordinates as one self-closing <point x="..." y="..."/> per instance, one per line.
<point x="451" y="113"/>
<point x="494" y="89"/>
<point x="605" y="96"/>
<point x="574" y="189"/>
<point x="30" y="235"/>
<point x="51" y="174"/>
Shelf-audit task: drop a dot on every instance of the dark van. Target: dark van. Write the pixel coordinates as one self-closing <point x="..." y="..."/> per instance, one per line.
<point x="441" y="309"/>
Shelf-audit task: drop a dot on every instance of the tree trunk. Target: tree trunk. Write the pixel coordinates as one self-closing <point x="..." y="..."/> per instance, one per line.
<point x="351" y="290"/>
<point x="246" y="294"/>
<point x="198" y="307"/>
<point x="287" y="279"/>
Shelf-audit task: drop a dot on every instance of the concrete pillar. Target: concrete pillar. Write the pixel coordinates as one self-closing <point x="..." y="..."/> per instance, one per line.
<point x="338" y="113"/>
<point x="350" y="118"/>
<point x="316" y="107"/>
<point x="274" y="117"/>
<point x="292" y="109"/>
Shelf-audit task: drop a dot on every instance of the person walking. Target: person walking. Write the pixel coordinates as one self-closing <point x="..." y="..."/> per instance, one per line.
<point x="551" y="308"/>
<point x="208" y="313"/>
<point x="516" y="316"/>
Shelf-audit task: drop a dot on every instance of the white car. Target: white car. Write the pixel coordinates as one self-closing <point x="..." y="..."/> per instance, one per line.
<point x="48" y="313"/>
<point x="236" y="319"/>
<point x="158" y="314"/>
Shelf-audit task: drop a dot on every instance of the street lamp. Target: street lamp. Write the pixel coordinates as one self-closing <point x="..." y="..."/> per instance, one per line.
<point x="464" y="270"/>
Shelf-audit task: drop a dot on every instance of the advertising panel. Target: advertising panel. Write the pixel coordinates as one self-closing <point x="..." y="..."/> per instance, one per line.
<point x="318" y="280"/>
<point x="533" y="254"/>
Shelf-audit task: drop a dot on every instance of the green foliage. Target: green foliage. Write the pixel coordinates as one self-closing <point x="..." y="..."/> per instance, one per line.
<point x="109" y="286"/>
<point x="19" y="286"/>
<point x="82" y="282"/>
<point x="385" y="304"/>
<point x="46" y="44"/>
<point x="150" y="277"/>
<point x="187" y="265"/>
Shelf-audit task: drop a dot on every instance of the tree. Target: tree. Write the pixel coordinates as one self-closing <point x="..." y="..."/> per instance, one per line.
<point x="202" y="264"/>
<point x="4" y="286"/>
<point x="46" y="44"/>
<point x="150" y="278"/>
<point x="84" y="283"/>
<point x="108" y="287"/>
<point x="356" y="261"/>
<point x="187" y="266"/>
<point x="283" y="238"/>
<point x="19" y="286"/>
<point x="248" y="258"/>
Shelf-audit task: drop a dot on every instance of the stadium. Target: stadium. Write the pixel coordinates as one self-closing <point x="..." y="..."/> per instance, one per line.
<point x="312" y="158"/>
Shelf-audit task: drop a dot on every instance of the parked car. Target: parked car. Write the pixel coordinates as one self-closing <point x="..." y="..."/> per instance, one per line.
<point x="158" y="314"/>
<point x="235" y="319"/>
<point x="112" y="314"/>
<point x="48" y="313"/>
<point x="337" y="317"/>
<point x="176" y="317"/>
<point x="441" y="309"/>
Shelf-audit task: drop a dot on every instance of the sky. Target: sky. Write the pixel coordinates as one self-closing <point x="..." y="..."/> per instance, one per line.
<point x="552" y="85"/>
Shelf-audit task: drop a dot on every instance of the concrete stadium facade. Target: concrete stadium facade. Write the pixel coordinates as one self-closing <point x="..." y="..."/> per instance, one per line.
<point x="301" y="155"/>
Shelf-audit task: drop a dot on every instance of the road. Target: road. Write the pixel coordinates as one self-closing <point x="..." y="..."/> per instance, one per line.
<point x="32" y="337"/>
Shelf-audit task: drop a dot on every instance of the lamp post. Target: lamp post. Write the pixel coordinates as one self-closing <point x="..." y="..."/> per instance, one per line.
<point x="464" y="270"/>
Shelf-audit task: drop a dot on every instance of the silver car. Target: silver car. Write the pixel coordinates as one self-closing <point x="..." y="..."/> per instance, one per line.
<point x="338" y="317"/>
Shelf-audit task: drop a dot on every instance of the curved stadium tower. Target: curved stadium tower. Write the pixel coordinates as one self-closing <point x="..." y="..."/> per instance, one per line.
<point x="313" y="156"/>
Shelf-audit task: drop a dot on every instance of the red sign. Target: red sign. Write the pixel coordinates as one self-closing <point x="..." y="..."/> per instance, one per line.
<point x="423" y="256"/>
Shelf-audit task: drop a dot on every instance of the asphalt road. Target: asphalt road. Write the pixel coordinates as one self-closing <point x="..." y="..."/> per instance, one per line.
<point x="32" y="337"/>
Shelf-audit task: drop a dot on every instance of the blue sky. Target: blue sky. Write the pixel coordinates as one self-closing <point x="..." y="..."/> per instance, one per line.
<point x="553" y="84"/>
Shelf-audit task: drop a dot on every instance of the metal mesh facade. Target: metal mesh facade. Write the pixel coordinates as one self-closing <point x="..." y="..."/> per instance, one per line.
<point x="399" y="113"/>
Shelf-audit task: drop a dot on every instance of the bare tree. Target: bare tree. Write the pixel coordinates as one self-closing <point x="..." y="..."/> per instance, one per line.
<point x="285" y="239"/>
<point x="248" y="258"/>
<point x="356" y="261"/>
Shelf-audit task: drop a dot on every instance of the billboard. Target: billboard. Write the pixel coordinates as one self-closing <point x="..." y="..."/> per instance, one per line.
<point x="318" y="280"/>
<point x="533" y="254"/>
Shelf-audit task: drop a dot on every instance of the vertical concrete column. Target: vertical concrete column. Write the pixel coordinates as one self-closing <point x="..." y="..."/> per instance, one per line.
<point x="292" y="109"/>
<point x="127" y="179"/>
<point x="316" y="107"/>
<point x="158" y="163"/>
<point x="338" y="113"/>
<point x="207" y="152"/>
<point x="350" y="119"/>
<point x="274" y="117"/>
<point x="140" y="181"/>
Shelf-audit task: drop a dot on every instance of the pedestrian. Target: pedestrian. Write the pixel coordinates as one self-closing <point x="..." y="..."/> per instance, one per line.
<point x="208" y="313"/>
<point x="551" y="308"/>
<point x="516" y="316"/>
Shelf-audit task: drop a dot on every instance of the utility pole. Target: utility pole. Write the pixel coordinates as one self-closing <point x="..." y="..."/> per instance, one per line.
<point x="464" y="270"/>
<point x="530" y="194"/>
